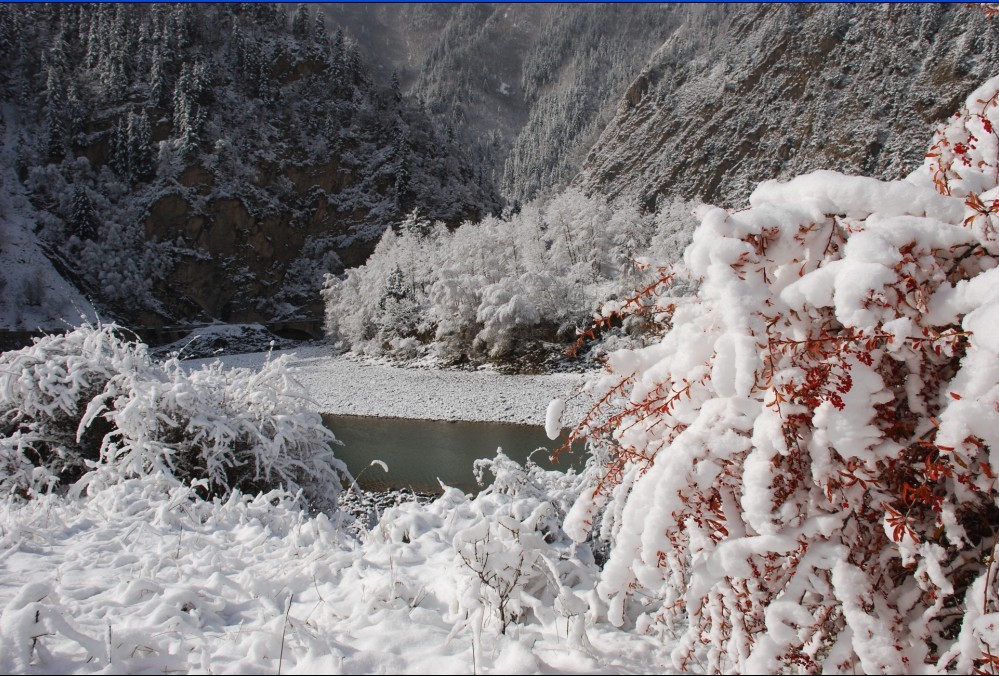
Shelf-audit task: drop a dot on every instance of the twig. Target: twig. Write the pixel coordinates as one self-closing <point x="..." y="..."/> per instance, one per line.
<point x="284" y="631"/>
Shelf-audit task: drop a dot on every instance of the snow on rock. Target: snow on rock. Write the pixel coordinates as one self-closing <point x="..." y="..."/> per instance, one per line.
<point x="214" y="339"/>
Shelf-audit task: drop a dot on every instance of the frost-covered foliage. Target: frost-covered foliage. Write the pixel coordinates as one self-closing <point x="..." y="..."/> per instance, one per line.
<point x="501" y="289"/>
<point x="512" y="562"/>
<point x="90" y="408"/>
<point x="801" y="474"/>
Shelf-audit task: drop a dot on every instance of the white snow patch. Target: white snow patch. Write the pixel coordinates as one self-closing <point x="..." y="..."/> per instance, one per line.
<point x="141" y="579"/>
<point x="345" y="385"/>
<point x="553" y="418"/>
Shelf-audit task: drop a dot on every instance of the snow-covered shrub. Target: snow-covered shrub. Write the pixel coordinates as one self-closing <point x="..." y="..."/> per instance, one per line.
<point x="92" y="408"/>
<point x="45" y="390"/>
<point x="515" y="558"/>
<point x="800" y="474"/>
<point x="509" y="562"/>
<point x="502" y="289"/>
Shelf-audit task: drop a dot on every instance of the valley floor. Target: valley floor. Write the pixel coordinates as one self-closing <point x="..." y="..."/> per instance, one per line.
<point x="346" y="385"/>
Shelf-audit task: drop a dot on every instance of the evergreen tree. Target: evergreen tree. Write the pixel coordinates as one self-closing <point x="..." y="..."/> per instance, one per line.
<point x="55" y="115"/>
<point x="57" y="54"/>
<point x="320" y="36"/>
<point x="354" y="67"/>
<point x="188" y="116"/>
<point x="118" y="150"/>
<point x="238" y="51"/>
<point x="144" y="52"/>
<point x="401" y="151"/>
<point x="395" y="286"/>
<point x="92" y="52"/>
<point x="113" y="79"/>
<point x="181" y="26"/>
<point x="76" y="115"/>
<point x="83" y="221"/>
<point x="300" y="21"/>
<point x="157" y="77"/>
<point x="8" y="32"/>
<point x="416" y="224"/>
<point x="395" y="88"/>
<point x="140" y="147"/>
<point x="338" y="44"/>
<point x="253" y="66"/>
<point x="337" y="59"/>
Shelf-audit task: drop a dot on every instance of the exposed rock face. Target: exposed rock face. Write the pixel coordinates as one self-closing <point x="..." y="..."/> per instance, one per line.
<point x="747" y="93"/>
<point x="234" y="262"/>
<point x="526" y="87"/>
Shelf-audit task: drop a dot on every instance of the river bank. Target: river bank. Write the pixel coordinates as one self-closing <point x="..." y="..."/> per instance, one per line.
<point x="347" y="385"/>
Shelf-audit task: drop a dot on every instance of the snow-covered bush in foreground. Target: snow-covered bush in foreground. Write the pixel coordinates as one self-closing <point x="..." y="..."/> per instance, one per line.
<point x="512" y="564"/>
<point x="89" y="408"/>
<point x="800" y="474"/>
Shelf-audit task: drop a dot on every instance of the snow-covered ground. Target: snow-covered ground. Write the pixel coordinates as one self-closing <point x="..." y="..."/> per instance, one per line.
<point x="136" y="580"/>
<point x="345" y="385"/>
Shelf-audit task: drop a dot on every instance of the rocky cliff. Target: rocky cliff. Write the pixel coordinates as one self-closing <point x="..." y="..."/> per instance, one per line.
<point x="739" y="94"/>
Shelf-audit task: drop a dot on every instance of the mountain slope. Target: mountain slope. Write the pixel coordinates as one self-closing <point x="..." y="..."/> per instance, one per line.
<point x="740" y="94"/>
<point x="214" y="162"/>
<point x="526" y="87"/>
<point x="33" y="294"/>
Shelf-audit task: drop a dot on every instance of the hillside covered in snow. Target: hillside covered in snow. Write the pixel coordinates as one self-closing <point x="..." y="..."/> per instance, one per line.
<point x="744" y="93"/>
<point x="33" y="294"/>
<point x="213" y="162"/>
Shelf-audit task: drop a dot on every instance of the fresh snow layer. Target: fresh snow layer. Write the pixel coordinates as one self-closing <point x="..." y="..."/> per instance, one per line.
<point x="139" y="579"/>
<point x="344" y="385"/>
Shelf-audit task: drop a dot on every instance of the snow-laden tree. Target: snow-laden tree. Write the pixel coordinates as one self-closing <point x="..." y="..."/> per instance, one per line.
<point x="300" y="21"/>
<point x="89" y="408"/>
<point x="83" y="221"/>
<point x="140" y="147"/>
<point x="800" y="475"/>
<point x="500" y="289"/>
<point x="55" y="114"/>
